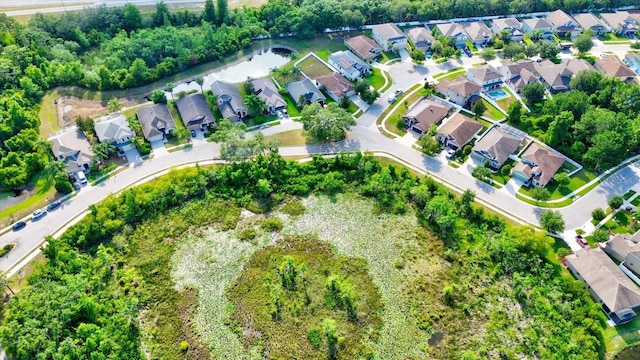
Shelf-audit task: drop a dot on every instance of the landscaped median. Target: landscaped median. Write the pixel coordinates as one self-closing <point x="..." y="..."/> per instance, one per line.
<point x="389" y="121"/>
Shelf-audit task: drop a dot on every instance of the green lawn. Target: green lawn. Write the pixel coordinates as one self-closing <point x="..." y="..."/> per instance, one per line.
<point x="492" y="112"/>
<point x="44" y="194"/>
<point x="394" y="123"/>
<point x="48" y="115"/>
<point x="292" y="109"/>
<point x="376" y="79"/>
<point x="629" y="194"/>
<point x="313" y="67"/>
<point x="557" y="192"/>
<point x="620" y="223"/>
<point x="618" y="337"/>
<point x="292" y="138"/>
<point x="451" y="75"/>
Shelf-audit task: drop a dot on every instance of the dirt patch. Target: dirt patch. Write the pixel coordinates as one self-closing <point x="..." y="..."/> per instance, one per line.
<point x="70" y="107"/>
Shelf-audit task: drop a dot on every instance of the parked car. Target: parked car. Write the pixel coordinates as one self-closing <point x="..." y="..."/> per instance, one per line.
<point x="38" y="214"/>
<point x="582" y="242"/>
<point x="629" y="208"/>
<point x="280" y="115"/>
<point x="54" y="205"/>
<point x="19" y="225"/>
<point x="193" y="133"/>
<point x="395" y="95"/>
<point x="264" y="126"/>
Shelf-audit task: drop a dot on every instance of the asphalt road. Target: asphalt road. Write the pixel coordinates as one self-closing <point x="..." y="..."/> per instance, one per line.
<point x="30" y="7"/>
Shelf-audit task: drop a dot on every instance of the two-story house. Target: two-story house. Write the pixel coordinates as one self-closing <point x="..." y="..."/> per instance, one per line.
<point x="195" y="112"/>
<point x="229" y="101"/>
<point x="588" y="21"/>
<point x="538" y="166"/>
<point x="564" y="25"/>
<point x="304" y="92"/>
<point x="349" y="65"/>
<point x="519" y="73"/>
<point x="633" y="61"/>
<point x="477" y="31"/>
<point x="423" y="114"/>
<point x="510" y="24"/>
<point x="538" y="27"/>
<point x="363" y="46"/>
<point x="460" y="91"/>
<point x="485" y="76"/>
<point x="336" y="86"/>
<point x="455" y="32"/>
<point x="421" y="37"/>
<point x="389" y="36"/>
<point x="613" y="66"/>
<point x="497" y="145"/>
<point x="458" y="131"/>
<point x="114" y="129"/>
<point x="266" y="90"/>
<point x="621" y="22"/>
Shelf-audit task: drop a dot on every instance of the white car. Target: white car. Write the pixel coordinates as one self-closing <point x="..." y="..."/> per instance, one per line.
<point x="38" y="214"/>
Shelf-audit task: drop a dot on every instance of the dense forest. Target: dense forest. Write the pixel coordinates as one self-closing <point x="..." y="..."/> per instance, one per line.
<point x="106" y="291"/>
<point x="119" y="47"/>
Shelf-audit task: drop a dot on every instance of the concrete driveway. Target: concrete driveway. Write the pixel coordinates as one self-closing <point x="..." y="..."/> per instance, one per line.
<point x="133" y="157"/>
<point x="158" y="148"/>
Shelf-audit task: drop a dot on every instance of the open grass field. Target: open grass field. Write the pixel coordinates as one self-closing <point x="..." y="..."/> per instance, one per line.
<point x="291" y="138"/>
<point x="313" y="67"/>
<point x="492" y="112"/>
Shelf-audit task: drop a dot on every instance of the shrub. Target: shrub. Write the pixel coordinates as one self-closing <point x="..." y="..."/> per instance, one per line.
<point x="616" y="201"/>
<point x="315" y="338"/>
<point x="598" y="214"/>
<point x="5" y="249"/>
<point x="247" y="234"/>
<point x="293" y="208"/>
<point x="62" y="183"/>
<point x="184" y="346"/>
<point x="273" y="224"/>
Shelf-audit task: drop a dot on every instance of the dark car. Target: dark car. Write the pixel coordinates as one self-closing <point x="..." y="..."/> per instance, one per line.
<point x="54" y="205"/>
<point x="19" y="225"/>
<point x="582" y="242"/>
<point x="193" y="133"/>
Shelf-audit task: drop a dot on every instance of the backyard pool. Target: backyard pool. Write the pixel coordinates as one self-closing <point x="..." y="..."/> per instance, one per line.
<point x="498" y="94"/>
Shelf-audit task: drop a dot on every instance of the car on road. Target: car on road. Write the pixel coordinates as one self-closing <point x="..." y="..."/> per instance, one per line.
<point x="280" y="115"/>
<point x="582" y="242"/>
<point x="264" y="126"/>
<point x="193" y="133"/>
<point x="38" y="214"/>
<point x="19" y="225"/>
<point x="428" y="55"/>
<point x="54" y="205"/>
<point x="395" y="95"/>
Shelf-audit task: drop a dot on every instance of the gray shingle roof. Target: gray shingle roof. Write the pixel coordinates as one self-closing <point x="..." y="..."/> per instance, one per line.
<point x="498" y="144"/>
<point x="155" y="120"/>
<point x="73" y="148"/>
<point x="112" y="128"/>
<point x="230" y="102"/>
<point x="195" y="111"/>
<point x="266" y="90"/>
<point x="304" y="88"/>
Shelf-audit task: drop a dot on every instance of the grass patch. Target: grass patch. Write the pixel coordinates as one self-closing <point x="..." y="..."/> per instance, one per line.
<point x="313" y="67"/>
<point x="492" y="112"/>
<point x="49" y="114"/>
<point x="376" y="79"/>
<point x="620" y="223"/>
<point x="578" y="180"/>
<point x="291" y="138"/>
<point x="44" y="194"/>
<point x="504" y="103"/>
<point x="394" y="123"/>
<point x="104" y="171"/>
<point x="292" y="109"/>
<point x="629" y="194"/>
<point x="636" y="201"/>
<point x="180" y="147"/>
<point x="450" y="75"/>
<point x="621" y="336"/>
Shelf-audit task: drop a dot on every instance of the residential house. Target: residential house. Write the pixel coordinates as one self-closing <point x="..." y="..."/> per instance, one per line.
<point x="518" y="74"/>
<point x="455" y="32"/>
<point x="564" y="25"/>
<point x="607" y="284"/>
<point x="336" y="86"/>
<point x="478" y="32"/>
<point x="156" y="122"/>
<point x="349" y="65"/>
<point x="633" y="61"/>
<point x="266" y="90"/>
<point x="460" y="91"/>
<point x="538" y="26"/>
<point x="588" y="21"/>
<point x="497" y="145"/>
<point x="229" y="101"/>
<point x="364" y="47"/>
<point x="195" y="112"/>
<point x="613" y="66"/>
<point x="625" y="248"/>
<point x="304" y="92"/>
<point x="621" y="22"/>
<point x="423" y="114"/>
<point x="485" y="76"/>
<point x="458" y="131"/>
<point x="556" y="77"/>
<point x="510" y="24"/>
<point x="421" y="37"/>
<point x="389" y="36"/>
<point x="114" y="129"/>
<point x="538" y="166"/>
<point x="73" y="148"/>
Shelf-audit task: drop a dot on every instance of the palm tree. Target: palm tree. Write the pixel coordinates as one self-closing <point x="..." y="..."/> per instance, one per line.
<point x="254" y="104"/>
<point x="169" y="89"/>
<point x="114" y="105"/>
<point x="4" y="282"/>
<point x="103" y="150"/>
<point x="199" y="81"/>
<point x="52" y="168"/>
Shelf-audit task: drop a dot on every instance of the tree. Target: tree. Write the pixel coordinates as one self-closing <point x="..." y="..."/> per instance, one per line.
<point x="159" y="97"/>
<point x="480" y="173"/>
<point x="479" y="108"/>
<point x="616" y="201"/>
<point x="223" y="11"/>
<point x="533" y="92"/>
<point x="600" y="235"/>
<point x="598" y="214"/>
<point x="429" y="144"/>
<point x="512" y="49"/>
<point x="114" y="105"/>
<point x="52" y="168"/>
<point x="254" y="104"/>
<point x="248" y="86"/>
<point x="562" y="178"/>
<point x="514" y="113"/>
<point x="540" y="194"/>
<point x="548" y="49"/>
<point x="4" y="282"/>
<point x="132" y="19"/>
<point x="169" y="89"/>
<point x="326" y="124"/>
<point x="103" y="150"/>
<point x="235" y="147"/>
<point x="162" y="16"/>
<point x="200" y="80"/>
<point x="488" y="54"/>
<point x="209" y="13"/>
<point x="584" y="42"/>
<point x="344" y="102"/>
<point x="552" y="221"/>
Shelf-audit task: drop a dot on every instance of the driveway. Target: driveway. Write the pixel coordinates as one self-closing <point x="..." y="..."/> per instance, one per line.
<point x="133" y="157"/>
<point x="158" y="148"/>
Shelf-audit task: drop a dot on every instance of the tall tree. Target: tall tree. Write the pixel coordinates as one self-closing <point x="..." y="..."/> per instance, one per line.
<point x="200" y="81"/>
<point x="209" y="13"/>
<point x="132" y="19"/>
<point x="584" y="42"/>
<point x="552" y="221"/>
<point x="223" y="11"/>
<point x="488" y="54"/>
<point x="162" y="16"/>
<point x="169" y="89"/>
<point x="328" y="123"/>
<point x="114" y="105"/>
<point x="533" y="92"/>
<point x="103" y="150"/>
<point x="254" y="104"/>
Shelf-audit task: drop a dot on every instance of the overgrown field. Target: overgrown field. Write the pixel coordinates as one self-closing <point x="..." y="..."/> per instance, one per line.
<point x="172" y="269"/>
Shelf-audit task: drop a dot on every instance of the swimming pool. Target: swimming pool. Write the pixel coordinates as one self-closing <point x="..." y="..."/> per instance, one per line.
<point x="498" y="94"/>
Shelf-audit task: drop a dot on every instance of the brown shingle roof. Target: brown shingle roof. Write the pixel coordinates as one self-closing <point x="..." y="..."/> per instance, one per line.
<point x="421" y="36"/>
<point x="461" y="128"/>
<point x="477" y="30"/>
<point x="614" y="67"/>
<point x="485" y="73"/>
<point x="546" y="163"/>
<point x="426" y="112"/>
<point x="335" y="83"/>
<point x="363" y="46"/>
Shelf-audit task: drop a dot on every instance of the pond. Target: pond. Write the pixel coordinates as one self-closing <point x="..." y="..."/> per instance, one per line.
<point x="256" y="66"/>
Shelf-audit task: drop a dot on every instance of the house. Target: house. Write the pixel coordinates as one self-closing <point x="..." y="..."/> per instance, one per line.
<point x="349" y="65"/>
<point x="518" y="74"/>
<point x="421" y="37"/>
<point x="556" y="77"/>
<point x="621" y="22"/>
<point x="588" y="21"/>
<point x="459" y="91"/>
<point x="73" y="148"/>
<point x="485" y="76"/>
<point x="633" y="61"/>
<point x="455" y="32"/>
<point x="510" y="24"/>
<point x="478" y="32"/>
<point x="304" y="92"/>
<point x="114" y="129"/>
<point x="364" y="47"/>
<point x="266" y="90"/>
<point x="156" y="122"/>
<point x="389" y="36"/>
<point x="423" y="114"/>
<point x="564" y="25"/>
<point x="497" y="145"/>
<point x="336" y="86"/>
<point x="538" y="26"/>
<point x="195" y="112"/>
<point x="613" y="66"/>
<point x="626" y="250"/>
<point x="538" y="166"/>
<point x="458" y="131"/>
<point x="229" y="101"/>
<point x="606" y="283"/>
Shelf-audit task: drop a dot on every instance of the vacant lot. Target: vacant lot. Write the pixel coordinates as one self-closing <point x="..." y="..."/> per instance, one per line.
<point x="313" y="67"/>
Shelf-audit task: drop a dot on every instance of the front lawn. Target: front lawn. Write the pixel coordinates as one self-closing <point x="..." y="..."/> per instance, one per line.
<point x="450" y="75"/>
<point x="376" y="79"/>
<point x="557" y="192"/>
